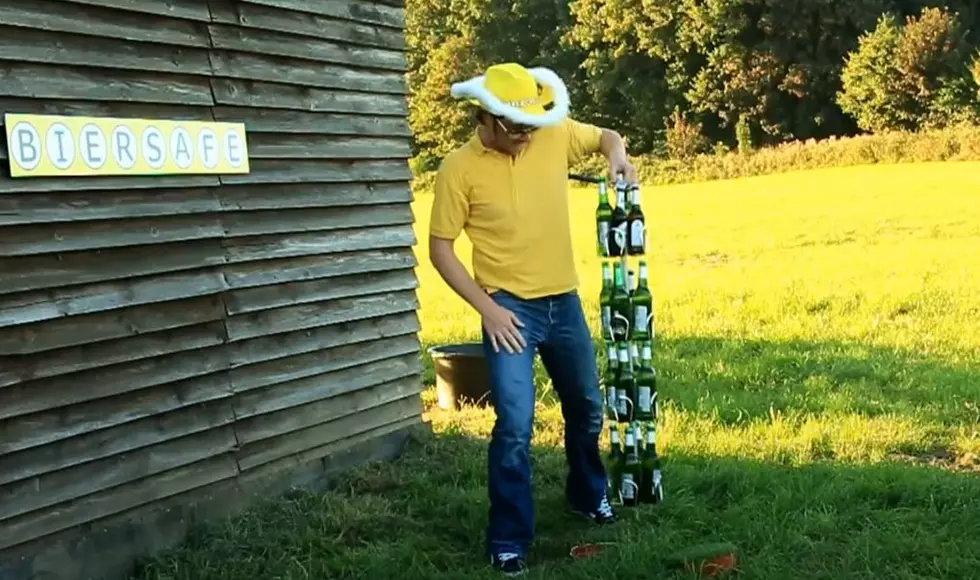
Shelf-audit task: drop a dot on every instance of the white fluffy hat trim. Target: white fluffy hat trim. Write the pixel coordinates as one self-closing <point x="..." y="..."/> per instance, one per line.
<point x="475" y="89"/>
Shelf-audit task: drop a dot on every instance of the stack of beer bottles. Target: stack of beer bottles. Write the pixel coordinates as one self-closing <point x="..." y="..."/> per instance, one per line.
<point x="629" y="378"/>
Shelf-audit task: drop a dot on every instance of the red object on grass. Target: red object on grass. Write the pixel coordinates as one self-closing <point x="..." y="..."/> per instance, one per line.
<point x="585" y="550"/>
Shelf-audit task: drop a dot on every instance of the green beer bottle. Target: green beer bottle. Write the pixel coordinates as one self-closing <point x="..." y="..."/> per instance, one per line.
<point x="620" y="309"/>
<point x="641" y="327"/>
<point x="618" y="232"/>
<point x="625" y="386"/>
<point x="613" y="462"/>
<point x="605" y="302"/>
<point x="603" y="218"/>
<point x="636" y="243"/>
<point x="610" y="378"/>
<point x="630" y="472"/>
<point x="646" y="385"/>
<point x="652" y="490"/>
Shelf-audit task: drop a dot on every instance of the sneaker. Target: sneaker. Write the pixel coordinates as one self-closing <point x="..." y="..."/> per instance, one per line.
<point x="602" y="514"/>
<point x="509" y="563"/>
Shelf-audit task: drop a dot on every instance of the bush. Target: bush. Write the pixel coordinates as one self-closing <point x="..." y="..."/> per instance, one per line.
<point x="957" y="143"/>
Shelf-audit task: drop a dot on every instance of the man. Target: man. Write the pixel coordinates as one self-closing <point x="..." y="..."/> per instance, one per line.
<point x="508" y="189"/>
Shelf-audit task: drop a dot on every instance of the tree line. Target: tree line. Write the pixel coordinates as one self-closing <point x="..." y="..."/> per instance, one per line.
<point x="683" y="77"/>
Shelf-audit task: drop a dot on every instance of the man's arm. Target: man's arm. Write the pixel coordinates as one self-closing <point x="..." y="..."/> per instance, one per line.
<point x="450" y="209"/>
<point x="586" y="139"/>
<point x="442" y="254"/>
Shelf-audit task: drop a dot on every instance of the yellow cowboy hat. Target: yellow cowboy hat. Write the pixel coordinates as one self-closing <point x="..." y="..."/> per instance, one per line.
<point x="518" y="94"/>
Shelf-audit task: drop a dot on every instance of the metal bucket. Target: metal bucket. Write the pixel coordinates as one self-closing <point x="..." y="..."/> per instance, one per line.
<point x="461" y="375"/>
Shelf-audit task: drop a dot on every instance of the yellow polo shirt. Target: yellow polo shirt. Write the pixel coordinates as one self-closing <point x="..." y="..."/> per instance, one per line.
<point x="515" y="210"/>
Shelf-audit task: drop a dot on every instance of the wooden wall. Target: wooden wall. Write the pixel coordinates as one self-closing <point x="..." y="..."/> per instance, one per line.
<point x="169" y="340"/>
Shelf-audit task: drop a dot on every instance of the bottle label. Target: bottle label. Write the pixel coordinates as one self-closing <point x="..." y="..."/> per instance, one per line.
<point x="611" y="397"/>
<point x="636" y="234"/>
<point x="606" y="319"/>
<point x="640" y="315"/>
<point x="656" y="482"/>
<point x="622" y="409"/>
<point x="635" y="196"/>
<point x="604" y="237"/>
<point x="645" y="401"/>
<point x="619" y="240"/>
<point x="628" y="486"/>
<point x="620" y="327"/>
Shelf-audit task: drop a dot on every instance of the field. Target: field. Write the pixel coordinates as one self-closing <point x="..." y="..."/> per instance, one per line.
<point x="819" y="356"/>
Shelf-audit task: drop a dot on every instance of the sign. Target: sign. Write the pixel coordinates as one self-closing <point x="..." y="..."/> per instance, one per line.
<point x="57" y="146"/>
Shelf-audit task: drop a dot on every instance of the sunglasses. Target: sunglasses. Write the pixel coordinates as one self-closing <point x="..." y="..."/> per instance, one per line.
<point x="515" y="129"/>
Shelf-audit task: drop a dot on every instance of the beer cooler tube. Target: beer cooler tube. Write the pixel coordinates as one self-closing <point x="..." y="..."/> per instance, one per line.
<point x="627" y="324"/>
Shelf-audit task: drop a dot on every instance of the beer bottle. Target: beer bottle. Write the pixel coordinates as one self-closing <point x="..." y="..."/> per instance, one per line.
<point x="613" y="462"/>
<point x="652" y="490"/>
<point x="625" y="386"/>
<point x="610" y="379"/>
<point x="630" y="282"/>
<point x="636" y="240"/>
<point x="618" y="232"/>
<point x="603" y="217"/>
<point x="605" y="302"/>
<point x="630" y="472"/>
<point x="642" y="303"/>
<point x="646" y="386"/>
<point x="620" y="309"/>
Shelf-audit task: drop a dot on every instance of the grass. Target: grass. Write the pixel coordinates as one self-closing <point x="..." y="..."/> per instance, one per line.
<point x="819" y="356"/>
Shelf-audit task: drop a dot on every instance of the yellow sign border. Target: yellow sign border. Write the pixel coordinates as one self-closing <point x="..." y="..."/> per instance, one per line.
<point x="81" y="146"/>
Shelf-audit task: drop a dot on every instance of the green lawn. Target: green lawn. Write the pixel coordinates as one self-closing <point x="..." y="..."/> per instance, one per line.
<point x="819" y="360"/>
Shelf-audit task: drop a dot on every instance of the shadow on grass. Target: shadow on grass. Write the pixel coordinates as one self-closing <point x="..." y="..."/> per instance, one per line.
<point x="422" y="517"/>
<point x="735" y="380"/>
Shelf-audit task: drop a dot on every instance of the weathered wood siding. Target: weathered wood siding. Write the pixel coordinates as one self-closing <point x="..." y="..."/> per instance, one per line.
<point x="164" y="339"/>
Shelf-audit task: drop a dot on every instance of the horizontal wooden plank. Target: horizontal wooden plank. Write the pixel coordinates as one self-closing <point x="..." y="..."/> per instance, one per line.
<point x="117" y="500"/>
<point x="327" y="171"/>
<point x="186" y="9"/>
<point x="245" y="93"/>
<point x="306" y="24"/>
<point x="73" y="206"/>
<point x="61" y="48"/>
<point x="86" y="355"/>
<point x="54" y="440"/>
<point x="318" y="314"/>
<point x="78" y="482"/>
<point x="356" y="10"/>
<point x="295" y="293"/>
<point x="278" y="146"/>
<point x="264" y="272"/>
<point x="340" y="402"/>
<point x="333" y="452"/>
<point x="41" y="305"/>
<point x="8" y="185"/>
<point x="361" y="418"/>
<point x="70" y="17"/>
<point x="57" y="270"/>
<point x="287" y="344"/>
<point x="54" y="392"/>
<point x="309" y="387"/>
<point x="314" y="368"/>
<point x="43" y="81"/>
<point x="36" y="106"/>
<point x="286" y="221"/>
<point x="34" y="239"/>
<point x="280" y="246"/>
<point x="256" y="67"/>
<point x="258" y="121"/>
<point x="267" y="42"/>
<point x="307" y="195"/>
<point x="89" y="329"/>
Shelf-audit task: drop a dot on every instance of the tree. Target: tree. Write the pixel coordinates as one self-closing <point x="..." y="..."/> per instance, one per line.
<point x="910" y="76"/>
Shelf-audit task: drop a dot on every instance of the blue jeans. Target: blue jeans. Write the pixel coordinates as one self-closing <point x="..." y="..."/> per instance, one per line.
<point x="555" y="328"/>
